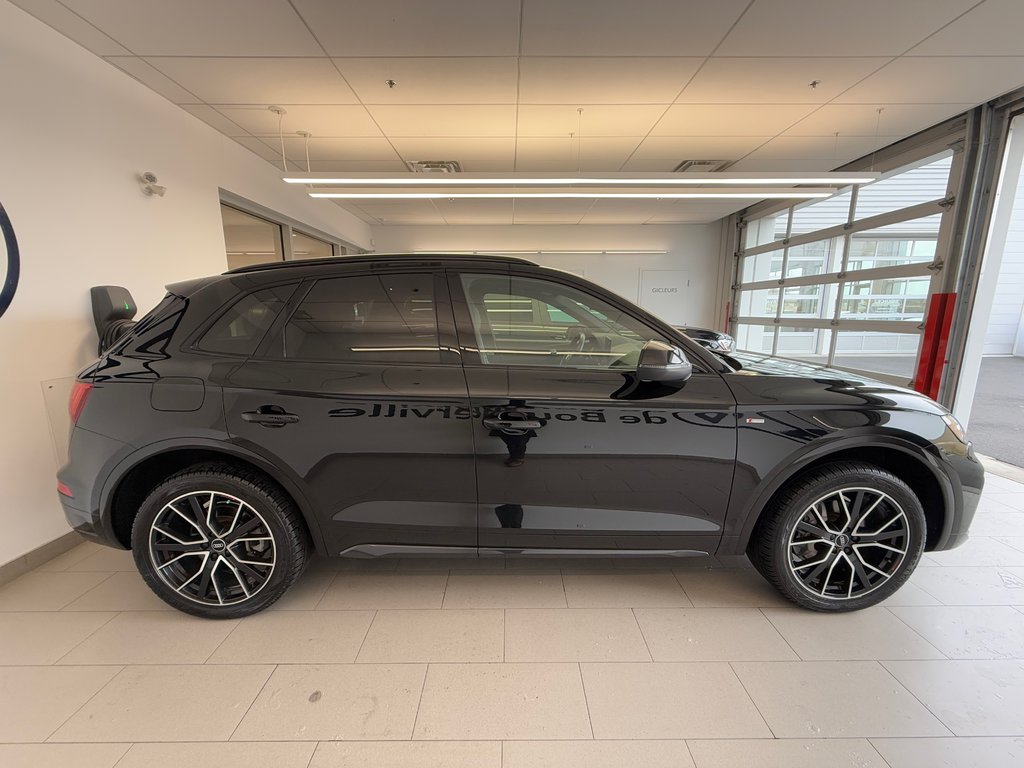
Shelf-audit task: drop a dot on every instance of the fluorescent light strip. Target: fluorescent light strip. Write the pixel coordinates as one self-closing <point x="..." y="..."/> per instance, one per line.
<point x="794" y="194"/>
<point x="453" y="180"/>
<point x="507" y="252"/>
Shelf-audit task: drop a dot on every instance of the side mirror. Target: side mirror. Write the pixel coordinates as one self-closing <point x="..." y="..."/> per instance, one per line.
<point x="663" y="362"/>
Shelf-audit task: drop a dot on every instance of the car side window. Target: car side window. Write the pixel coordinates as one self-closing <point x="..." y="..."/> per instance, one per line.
<point x="526" y="321"/>
<point x="387" y="318"/>
<point x="239" y="330"/>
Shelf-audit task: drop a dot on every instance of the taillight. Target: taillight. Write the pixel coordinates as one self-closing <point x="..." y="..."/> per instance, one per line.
<point x="79" y="394"/>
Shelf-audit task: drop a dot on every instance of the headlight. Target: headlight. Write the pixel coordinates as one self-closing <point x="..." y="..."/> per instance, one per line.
<point x="955" y="427"/>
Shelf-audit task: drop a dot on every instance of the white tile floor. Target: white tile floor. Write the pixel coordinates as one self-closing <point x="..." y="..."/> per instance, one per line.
<point x="413" y="663"/>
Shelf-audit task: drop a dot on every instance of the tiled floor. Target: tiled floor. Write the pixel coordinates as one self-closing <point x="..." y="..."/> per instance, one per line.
<point x="414" y="663"/>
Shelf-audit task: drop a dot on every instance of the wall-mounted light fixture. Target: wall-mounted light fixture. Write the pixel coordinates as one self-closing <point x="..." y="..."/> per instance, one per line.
<point x="149" y="186"/>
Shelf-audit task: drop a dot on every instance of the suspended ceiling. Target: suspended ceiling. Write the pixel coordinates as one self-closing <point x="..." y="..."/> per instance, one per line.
<point x="498" y="85"/>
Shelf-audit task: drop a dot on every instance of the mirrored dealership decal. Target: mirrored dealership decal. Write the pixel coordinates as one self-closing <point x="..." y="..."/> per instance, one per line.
<point x="11" y="263"/>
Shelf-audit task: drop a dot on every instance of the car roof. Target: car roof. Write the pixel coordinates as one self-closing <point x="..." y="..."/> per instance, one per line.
<point x="333" y="261"/>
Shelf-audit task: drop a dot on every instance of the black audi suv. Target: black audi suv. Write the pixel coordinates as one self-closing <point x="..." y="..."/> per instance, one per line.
<point x="486" y="406"/>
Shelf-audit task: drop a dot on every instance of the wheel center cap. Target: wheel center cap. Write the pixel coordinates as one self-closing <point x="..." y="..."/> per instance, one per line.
<point x="842" y="540"/>
<point x="218" y="545"/>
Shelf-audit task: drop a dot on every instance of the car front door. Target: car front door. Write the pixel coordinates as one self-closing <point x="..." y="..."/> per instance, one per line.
<point x="358" y="391"/>
<point x="573" y="451"/>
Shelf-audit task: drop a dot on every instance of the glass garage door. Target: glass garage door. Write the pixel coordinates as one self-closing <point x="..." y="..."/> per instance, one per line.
<point x="845" y="281"/>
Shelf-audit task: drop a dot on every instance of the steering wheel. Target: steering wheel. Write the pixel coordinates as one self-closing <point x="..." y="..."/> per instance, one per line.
<point x="576" y="336"/>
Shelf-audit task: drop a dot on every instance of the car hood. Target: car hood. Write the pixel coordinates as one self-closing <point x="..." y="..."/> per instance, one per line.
<point x="784" y="380"/>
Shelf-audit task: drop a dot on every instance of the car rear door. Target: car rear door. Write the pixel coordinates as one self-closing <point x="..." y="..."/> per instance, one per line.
<point x="573" y="451"/>
<point x="358" y="390"/>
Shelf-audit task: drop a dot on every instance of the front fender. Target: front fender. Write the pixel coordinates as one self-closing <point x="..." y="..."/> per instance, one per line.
<point x="754" y="485"/>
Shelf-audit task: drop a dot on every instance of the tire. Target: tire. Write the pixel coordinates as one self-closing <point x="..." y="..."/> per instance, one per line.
<point x="842" y="537"/>
<point x="227" y="565"/>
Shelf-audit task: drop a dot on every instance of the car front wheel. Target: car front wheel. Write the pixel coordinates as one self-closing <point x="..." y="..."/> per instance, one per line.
<point x="840" y="538"/>
<point x="219" y="542"/>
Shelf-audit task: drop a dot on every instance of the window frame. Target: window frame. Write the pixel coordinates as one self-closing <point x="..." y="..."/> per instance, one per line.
<point x="467" y="334"/>
<point x="196" y="337"/>
<point x="272" y="348"/>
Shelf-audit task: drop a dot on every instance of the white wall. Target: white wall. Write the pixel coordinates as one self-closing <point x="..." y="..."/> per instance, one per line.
<point x="690" y="247"/>
<point x="1005" y="333"/>
<point x="74" y="132"/>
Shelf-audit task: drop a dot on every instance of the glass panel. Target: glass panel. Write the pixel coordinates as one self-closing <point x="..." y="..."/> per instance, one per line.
<point x="239" y="330"/>
<point x="763" y="266"/>
<point x="808" y="344"/>
<point x="366" y="319"/>
<point x="821" y="214"/>
<point x="766" y="229"/>
<point x="760" y="303"/>
<point x="890" y="353"/>
<point x="755" y="338"/>
<point x="895" y="245"/>
<point x="805" y="301"/>
<point x="813" y="258"/>
<point x="891" y="298"/>
<point x="249" y="239"/>
<point x="308" y="247"/>
<point x="521" y="321"/>
<point x="905" y="188"/>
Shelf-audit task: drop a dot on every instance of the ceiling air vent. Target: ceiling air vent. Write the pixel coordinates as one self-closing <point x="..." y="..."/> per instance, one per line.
<point x="702" y="166"/>
<point x="434" y="166"/>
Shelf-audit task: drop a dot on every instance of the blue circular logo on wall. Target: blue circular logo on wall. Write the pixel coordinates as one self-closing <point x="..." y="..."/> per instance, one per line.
<point x="10" y="261"/>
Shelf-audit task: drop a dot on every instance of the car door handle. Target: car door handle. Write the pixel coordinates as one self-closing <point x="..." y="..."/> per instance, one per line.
<point x="509" y="424"/>
<point x="268" y="418"/>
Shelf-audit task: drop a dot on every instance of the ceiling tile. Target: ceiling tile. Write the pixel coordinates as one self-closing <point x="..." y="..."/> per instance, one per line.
<point x="359" y="166"/>
<point x="551" y="211"/>
<point x="754" y="164"/>
<point x="992" y="28"/>
<point x="403" y="28"/>
<point x="318" y="119"/>
<point x="201" y="27"/>
<point x="398" y="212"/>
<point x="834" y="149"/>
<point x="623" y="211"/>
<point x="595" y="120"/>
<point x="636" y="28"/>
<point x="688" y="211"/>
<point x="333" y="150"/>
<point x="590" y="155"/>
<point x="582" y="81"/>
<point x="212" y="117"/>
<point x="659" y="154"/>
<point x="776" y="81"/>
<point x="475" y="154"/>
<point x="260" y="148"/>
<point x="447" y="120"/>
<point x="865" y="120"/>
<point x="729" y="119"/>
<point x="432" y="81"/>
<point x="475" y="211"/>
<point x="816" y="28"/>
<point x="258" y="80"/>
<point x="153" y="78"/>
<point x="931" y="80"/>
<point x="58" y="16"/>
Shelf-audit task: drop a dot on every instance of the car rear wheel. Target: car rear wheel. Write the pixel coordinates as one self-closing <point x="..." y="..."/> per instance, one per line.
<point x="840" y="538"/>
<point x="219" y="542"/>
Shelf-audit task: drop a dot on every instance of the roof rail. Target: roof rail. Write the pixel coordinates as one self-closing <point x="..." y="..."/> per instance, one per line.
<point x="381" y="257"/>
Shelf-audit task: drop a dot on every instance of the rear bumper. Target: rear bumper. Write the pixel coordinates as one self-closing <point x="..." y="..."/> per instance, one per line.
<point x="91" y="459"/>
